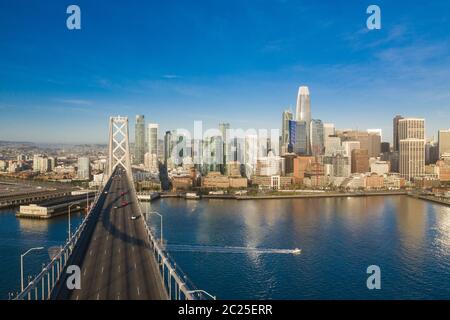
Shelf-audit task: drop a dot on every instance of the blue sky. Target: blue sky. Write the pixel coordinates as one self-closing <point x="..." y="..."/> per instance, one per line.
<point x="236" y="61"/>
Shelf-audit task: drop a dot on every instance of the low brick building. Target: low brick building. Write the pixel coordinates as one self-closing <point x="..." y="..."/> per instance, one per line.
<point x="374" y="181"/>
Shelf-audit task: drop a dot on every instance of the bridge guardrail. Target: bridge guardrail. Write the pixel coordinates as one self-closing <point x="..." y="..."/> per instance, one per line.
<point x="175" y="281"/>
<point x="43" y="284"/>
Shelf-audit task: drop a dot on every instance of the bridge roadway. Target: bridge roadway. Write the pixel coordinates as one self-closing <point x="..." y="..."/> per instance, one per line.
<point x="114" y="252"/>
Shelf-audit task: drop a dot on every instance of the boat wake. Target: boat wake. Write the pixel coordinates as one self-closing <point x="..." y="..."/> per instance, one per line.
<point x="226" y="249"/>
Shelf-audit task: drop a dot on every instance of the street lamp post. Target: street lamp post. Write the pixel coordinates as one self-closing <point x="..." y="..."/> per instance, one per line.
<point x="162" y="238"/>
<point x="70" y="206"/>
<point x="21" y="263"/>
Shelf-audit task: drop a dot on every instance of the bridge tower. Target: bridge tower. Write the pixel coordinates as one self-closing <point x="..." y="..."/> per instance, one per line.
<point x="119" y="149"/>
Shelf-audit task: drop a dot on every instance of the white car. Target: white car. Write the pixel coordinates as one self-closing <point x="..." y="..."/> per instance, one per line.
<point x="133" y="217"/>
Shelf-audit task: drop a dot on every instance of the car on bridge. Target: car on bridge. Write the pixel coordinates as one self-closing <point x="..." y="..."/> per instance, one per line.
<point x="124" y="203"/>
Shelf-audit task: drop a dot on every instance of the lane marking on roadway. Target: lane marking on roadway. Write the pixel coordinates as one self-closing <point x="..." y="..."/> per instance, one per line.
<point x="90" y="252"/>
<point x="135" y="266"/>
<point x="102" y="269"/>
<point x="98" y="296"/>
<point x="139" y="293"/>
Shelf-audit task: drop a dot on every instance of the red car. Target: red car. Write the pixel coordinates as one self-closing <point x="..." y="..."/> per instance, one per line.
<point x="124" y="203"/>
<point x="122" y="193"/>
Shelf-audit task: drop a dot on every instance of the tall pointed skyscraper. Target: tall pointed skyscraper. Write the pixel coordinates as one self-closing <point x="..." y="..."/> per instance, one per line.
<point x="303" y="113"/>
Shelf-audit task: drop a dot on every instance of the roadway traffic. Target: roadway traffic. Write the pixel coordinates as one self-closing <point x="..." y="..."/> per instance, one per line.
<point x="114" y="255"/>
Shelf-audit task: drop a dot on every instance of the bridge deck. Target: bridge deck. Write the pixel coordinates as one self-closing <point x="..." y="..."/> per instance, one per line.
<point x="114" y="255"/>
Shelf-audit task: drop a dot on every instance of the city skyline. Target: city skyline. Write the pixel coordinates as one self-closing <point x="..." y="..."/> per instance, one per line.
<point x="242" y="65"/>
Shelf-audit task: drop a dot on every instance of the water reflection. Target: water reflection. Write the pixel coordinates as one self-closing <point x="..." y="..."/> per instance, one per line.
<point x="339" y="238"/>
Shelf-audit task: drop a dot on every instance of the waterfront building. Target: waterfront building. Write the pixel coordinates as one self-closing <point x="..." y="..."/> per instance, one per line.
<point x="374" y="181"/>
<point x="272" y="182"/>
<point x="426" y="182"/>
<point x="216" y="180"/>
<point x="359" y="161"/>
<point x="444" y="141"/>
<point x="139" y="140"/>
<point x="393" y="181"/>
<point x="443" y="169"/>
<point x="412" y="147"/>
<point x="354" y="182"/>
<point x="396" y="140"/>
<point x="182" y="182"/>
<point x="303" y="113"/>
<point x="84" y="168"/>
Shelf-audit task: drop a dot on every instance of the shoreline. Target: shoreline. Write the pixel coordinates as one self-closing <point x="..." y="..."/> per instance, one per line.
<point x="310" y="195"/>
<point x="288" y="196"/>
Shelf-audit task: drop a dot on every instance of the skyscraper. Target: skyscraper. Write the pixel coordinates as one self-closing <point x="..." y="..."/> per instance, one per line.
<point x="167" y="146"/>
<point x="303" y="113"/>
<point x="317" y="140"/>
<point x="152" y="156"/>
<point x="298" y="135"/>
<point x="153" y="138"/>
<point x="287" y="115"/>
<point x="396" y="142"/>
<point x="444" y="142"/>
<point x="226" y="146"/>
<point x="139" y="141"/>
<point x="411" y="133"/>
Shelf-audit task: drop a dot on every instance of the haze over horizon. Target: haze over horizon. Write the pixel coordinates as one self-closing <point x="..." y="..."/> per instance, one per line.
<point x="239" y="62"/>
